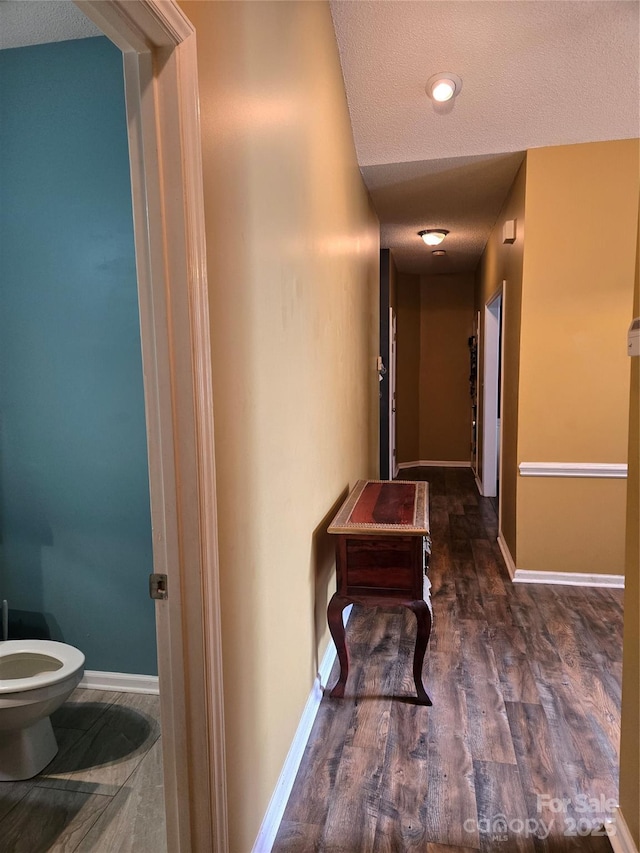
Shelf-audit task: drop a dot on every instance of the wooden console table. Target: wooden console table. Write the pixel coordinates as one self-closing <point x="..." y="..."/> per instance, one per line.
<point x="382" y="555"/>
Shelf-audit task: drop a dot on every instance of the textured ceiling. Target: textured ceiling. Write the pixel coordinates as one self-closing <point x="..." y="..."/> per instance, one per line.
<point x="25" y="22"/>
<point x="461" y="194"/>
<point x="534" y="73"/>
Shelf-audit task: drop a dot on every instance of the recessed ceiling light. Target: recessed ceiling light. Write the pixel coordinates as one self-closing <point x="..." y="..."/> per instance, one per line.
<point x="443" y="86"/>
<point x="433" y="236"/>
<point x="439" y="253"/>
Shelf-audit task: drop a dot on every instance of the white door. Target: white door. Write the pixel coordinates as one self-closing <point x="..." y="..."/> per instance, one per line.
<point x="474" y="377"/>
<point x="491" y="395"/>
<point x="392" y="394"/>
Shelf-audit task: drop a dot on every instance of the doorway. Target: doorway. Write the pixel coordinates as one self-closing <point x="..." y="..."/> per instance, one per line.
<point x="492" y="396"/>
<point x="158" y="47"/>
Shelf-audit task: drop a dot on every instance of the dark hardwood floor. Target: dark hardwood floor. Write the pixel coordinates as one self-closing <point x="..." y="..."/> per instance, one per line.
<point x="520" y="749"/>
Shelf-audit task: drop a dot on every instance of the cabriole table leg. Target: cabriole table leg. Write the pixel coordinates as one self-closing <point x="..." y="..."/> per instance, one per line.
<point x="336" y="627"/>
<point x="423" y="618"/>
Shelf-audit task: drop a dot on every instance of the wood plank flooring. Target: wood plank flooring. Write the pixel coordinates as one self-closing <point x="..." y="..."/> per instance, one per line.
<point x="520" y="749"/>
<point x="103" y="792"/>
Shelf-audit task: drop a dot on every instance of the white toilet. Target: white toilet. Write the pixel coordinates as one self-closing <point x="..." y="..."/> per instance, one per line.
<point x="36" y="677"/>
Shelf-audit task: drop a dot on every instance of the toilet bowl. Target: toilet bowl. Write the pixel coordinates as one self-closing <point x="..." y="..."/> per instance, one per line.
<point x="36" y="677"/>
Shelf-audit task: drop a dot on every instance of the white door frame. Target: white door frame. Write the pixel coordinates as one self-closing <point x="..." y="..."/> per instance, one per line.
<point x="491" y="435"/>
<point x="161" y="82"/>
<point x="393" y="467"/>
<point x="475" y="455"/>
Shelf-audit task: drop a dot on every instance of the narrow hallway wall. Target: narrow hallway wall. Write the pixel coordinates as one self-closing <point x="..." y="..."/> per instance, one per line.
<point x="630" y="726"/>
<point x="501" y="265"/>
<point x="293" y="268"/>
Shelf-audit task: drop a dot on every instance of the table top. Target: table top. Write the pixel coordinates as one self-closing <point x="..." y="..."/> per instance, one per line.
<point x="389" y="507"/>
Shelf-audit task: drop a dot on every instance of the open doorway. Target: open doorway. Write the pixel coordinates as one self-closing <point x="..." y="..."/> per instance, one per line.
<point x="492" y="396"/>
<point x="158" y="47"/>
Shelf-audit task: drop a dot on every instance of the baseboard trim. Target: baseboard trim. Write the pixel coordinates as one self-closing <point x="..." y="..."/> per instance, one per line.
<point x="558" y="578"/>
<point x="619" y="835"/>
<point x="275" y="810"/>
<point x="616" y="471"/>
<point x="506" y="553"/>
<point x="569" y="579"/>
<point x="120" y="682"/>
<point x="479" y="485"/>
<point x="430" y="463"/>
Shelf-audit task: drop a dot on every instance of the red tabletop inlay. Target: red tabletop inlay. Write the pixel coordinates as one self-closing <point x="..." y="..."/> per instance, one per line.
<point x="385" y="503"/>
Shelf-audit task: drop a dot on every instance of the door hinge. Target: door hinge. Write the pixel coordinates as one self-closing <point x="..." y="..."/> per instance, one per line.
<point x="158" y="586"/>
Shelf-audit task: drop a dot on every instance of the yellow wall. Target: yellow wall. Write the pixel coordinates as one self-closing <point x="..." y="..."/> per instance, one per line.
<point x="435" y="321"/>
<point x="446" y="324"/>
<point x="407" y="368"/>
<point x="629" y="741"/>
<point x="502" y="262"/>
<point x="579" y="257"/>
<point x="293" y="260"/>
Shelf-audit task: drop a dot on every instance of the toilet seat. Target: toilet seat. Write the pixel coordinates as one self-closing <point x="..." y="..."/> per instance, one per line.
<point x="70" y="658"/>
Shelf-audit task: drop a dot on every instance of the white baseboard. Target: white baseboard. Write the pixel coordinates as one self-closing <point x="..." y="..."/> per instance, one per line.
<point x="479" y="485"/>
<point x="430" y="463"/>
<point x="121" y="682"/>
<point x="614" y="470"/>
<point x="506" y="553"/>
<point x="560" y="578"/>
<point x="273" y="816"/>
<point x="569" y="579"/>
<point x="619" y="834"/>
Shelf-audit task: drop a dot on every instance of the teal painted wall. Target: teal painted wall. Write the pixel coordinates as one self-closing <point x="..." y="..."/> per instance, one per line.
<point x="75" y="528"/>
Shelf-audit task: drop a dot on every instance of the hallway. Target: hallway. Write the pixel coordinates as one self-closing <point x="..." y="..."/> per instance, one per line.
<point x="520" y="749"/>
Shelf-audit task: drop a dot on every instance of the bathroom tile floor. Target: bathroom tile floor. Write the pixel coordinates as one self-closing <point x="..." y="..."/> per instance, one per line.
<point x="103" y="790"/>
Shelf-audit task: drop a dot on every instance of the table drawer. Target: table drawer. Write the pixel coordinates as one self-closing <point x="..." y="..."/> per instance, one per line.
<point x="382" y="564"/>
<point x="376" y="578"/>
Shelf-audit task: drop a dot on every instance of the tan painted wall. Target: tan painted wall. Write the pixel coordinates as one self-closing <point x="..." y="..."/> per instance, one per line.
<point x="502" y="262"/>
<point x="293" y="258"/>
<point x="574" y="371"/>
<point x="629" y="740"/>
<point x="408" y="368"/>
<point x="446" y="324"/>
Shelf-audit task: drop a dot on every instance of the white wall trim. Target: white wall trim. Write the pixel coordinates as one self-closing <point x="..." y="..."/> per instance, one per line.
<point x="478" y="484"/>
<point x="273" y="816"/>
<point x="613" y="470"/>
<point x="569" y="579"/>
<point x="619" y="834"/>
<point x="557" y="578"/>
<point x="506" y="553"/>
<point x="163" y="119"/>
<point x="430" y="463"/>
<point x="121" y="682"/>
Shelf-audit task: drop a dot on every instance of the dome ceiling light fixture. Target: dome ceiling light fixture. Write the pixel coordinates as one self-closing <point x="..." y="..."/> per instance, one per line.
<point x="439" y="253"/>
<point x="433" y="236"/>
<point x="443" y="86"/>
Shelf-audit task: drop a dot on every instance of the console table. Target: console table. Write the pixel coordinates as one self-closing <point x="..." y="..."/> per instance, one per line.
<point x="382" y="555"/>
